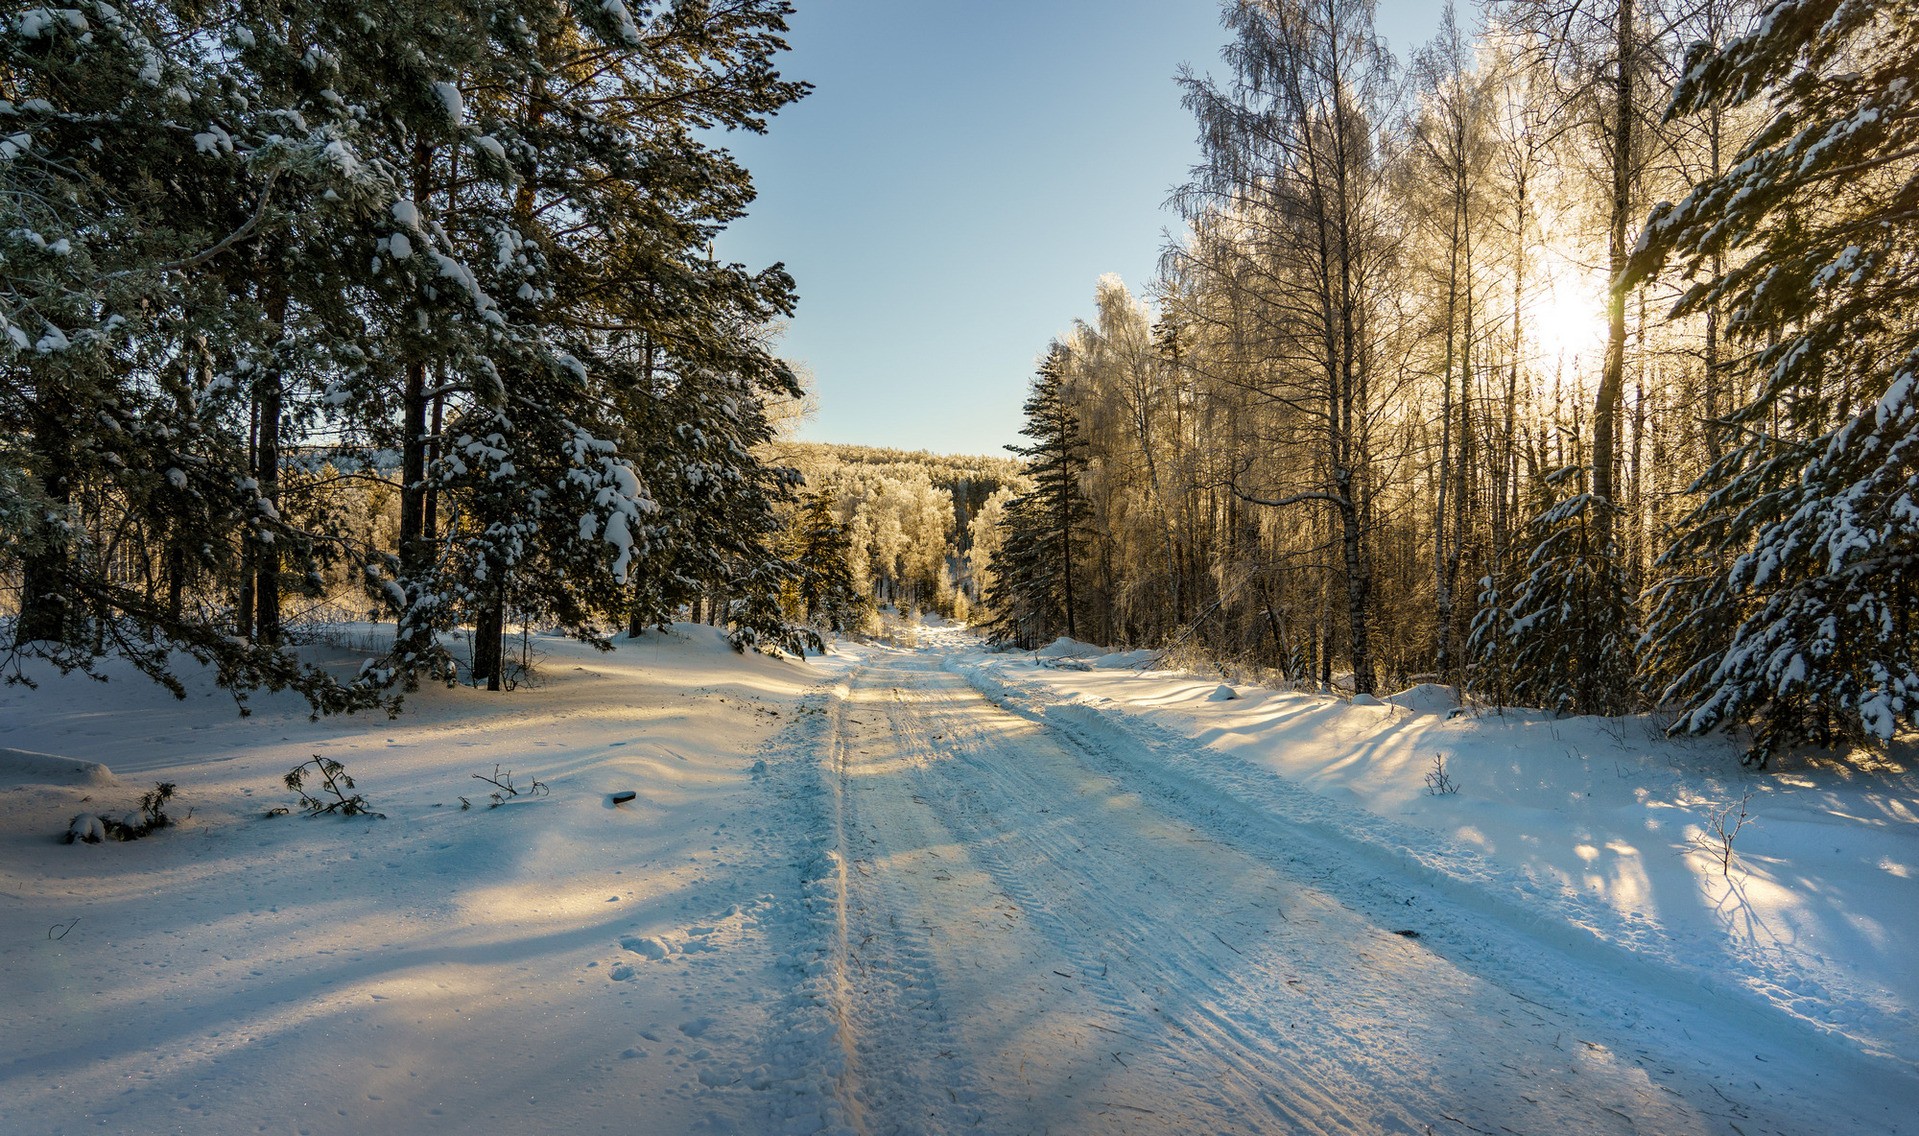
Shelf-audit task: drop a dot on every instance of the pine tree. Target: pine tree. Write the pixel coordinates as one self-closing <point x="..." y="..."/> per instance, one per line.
<point x="660" y="345"/>
<point x="1786" y="599"/>
<point x="1042" y="553"/>
<point x="466" y="238"/>
<point x="130" y="331"/>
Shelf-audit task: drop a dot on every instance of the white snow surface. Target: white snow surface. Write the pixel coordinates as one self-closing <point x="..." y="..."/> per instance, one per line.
<point x="19" y="767"/>
<point x="1425" y="698"/>
<point x="1065" y="648"/>
<point x="937" y="890"/>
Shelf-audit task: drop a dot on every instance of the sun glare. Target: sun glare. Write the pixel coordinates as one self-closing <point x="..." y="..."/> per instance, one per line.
<point x="1568" y="326"/>
<point x="1567" y="316"/>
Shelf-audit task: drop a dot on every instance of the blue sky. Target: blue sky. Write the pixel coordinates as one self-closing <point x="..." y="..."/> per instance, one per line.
<point x="960" y="176"/>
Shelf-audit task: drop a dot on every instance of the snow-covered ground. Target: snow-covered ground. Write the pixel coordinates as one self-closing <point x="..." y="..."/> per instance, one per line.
<point x="937" y="890"/>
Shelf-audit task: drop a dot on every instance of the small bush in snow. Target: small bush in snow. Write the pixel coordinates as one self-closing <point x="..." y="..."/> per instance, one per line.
<point x="1721" y="829"/>
<point x="90" y="828"/>
<point x="333" y="783"/>
<point x="1440" y="783"/>
<point x="503" y="788"/>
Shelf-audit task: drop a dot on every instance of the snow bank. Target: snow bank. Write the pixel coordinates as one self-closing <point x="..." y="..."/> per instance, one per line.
<point x="1064" y="648"/>
<point x="1425" y="698"/>
<point x="1597" y="835"/>
<point x="24" y="767"/>
<point x="547" y="966"/>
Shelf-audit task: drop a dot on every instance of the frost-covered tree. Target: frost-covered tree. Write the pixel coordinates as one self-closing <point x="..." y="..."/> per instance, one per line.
<point x="1294" y="215"/>
<point x="1451" y="140"/>
<point x="988" y="534"/>
<point x="914" y="519"/>
<point x="1789" y="591"/>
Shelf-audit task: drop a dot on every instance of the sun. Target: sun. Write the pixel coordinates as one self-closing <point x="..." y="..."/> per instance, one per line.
<point x="1566" y="315"/>
<point x="1568" y="327"/>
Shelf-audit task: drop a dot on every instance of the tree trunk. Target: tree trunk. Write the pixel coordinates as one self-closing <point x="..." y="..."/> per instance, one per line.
<point x="249" y="542"/>
<point x="416" y="549"/>
<point x="416" y="543"/>
<point x="266" y="596"/>
<point x="46" y="610"/>
<point x="1462" y="476"/>
<point x="1359" y="593"/>
<point x="430" y="505"/>
<point x="489" y="637"/>
<point x="1442" y="580"/>
<point x="1715" y="129"/>
<point x="1612" y="378"/>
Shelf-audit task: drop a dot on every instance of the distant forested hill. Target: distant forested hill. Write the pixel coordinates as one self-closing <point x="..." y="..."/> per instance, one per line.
<point x="923" y="525"/>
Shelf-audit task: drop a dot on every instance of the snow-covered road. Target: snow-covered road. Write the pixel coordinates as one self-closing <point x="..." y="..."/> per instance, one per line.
<point x="1030" y="942"/>
<point x="920" y="891"/>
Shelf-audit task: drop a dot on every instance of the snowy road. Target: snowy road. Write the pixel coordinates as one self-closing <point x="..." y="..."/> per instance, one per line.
<point x="891" y="891"/>
<point x="1027" y="942"/>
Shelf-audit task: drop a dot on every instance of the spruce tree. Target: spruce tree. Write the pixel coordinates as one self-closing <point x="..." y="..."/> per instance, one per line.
<point x="827" y="591"/>
<point x="1786" y="598"/>
<point x="1562" y="641"/>
<point x="1042" y="553"/>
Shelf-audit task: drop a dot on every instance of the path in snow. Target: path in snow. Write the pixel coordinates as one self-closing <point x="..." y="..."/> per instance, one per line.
<point x="1029" y="945"/>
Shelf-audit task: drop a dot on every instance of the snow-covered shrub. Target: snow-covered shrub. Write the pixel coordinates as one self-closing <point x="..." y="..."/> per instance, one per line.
<point x="91" y="828"/>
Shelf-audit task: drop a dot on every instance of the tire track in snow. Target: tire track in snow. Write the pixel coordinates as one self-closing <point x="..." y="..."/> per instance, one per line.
<point x="1495" y="924"/>
<point x="985" y="861"/>
<point x="1141" y="964"/>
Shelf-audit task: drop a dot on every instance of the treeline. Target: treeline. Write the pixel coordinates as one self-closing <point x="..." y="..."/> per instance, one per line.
<point x="415" y="297"/>
<point x="1437" y="385"/>
<point x="919" y="527"/>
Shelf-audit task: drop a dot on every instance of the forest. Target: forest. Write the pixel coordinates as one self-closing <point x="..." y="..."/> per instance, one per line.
<point x="413" y="310"/>
<point x="448" y="682"/>
<point x="1439" y="384"/>
<point x="408" y="307"/>
<point x="920" y="530"/>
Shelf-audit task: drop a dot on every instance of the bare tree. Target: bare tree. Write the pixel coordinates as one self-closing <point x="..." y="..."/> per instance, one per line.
<point x="1293" y="182"/>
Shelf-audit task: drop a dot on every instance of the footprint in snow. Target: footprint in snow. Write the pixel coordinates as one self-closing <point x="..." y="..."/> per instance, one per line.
<point x="645" y="947"/>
